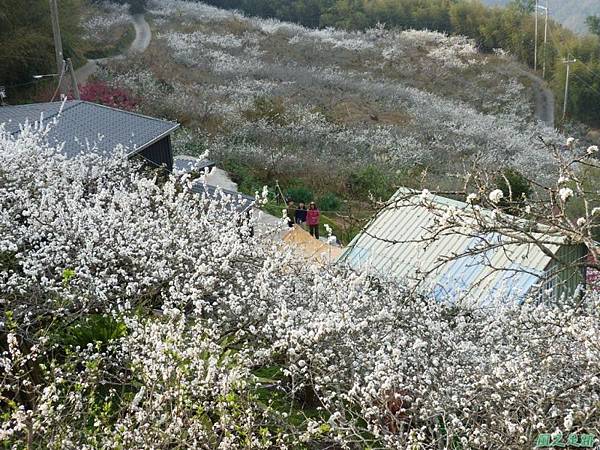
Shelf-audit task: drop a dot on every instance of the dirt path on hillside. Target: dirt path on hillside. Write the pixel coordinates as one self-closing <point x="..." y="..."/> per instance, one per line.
<point x="143" y="36"/>
<point x="544" y="99"/>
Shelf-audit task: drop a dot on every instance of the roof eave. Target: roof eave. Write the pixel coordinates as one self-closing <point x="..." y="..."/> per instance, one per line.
<point x="152" y="141"/>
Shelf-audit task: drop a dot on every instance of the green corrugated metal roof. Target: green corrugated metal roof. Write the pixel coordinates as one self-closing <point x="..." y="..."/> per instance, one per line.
<point x="402" y="241"/>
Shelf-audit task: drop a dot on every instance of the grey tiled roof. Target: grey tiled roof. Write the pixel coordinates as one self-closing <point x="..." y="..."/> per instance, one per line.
<point x="191" y="164"/>
<point x="240" y="202"/>
<point x="83" y="126"/>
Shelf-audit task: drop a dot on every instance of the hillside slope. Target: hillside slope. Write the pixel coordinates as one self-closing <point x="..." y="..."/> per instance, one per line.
<point x="571" y="13"/>
<point x="321" y="105"/>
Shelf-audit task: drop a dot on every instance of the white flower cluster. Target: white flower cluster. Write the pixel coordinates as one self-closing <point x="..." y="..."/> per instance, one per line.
<point x="139" y="315"/>
<point x="387" y="114"/>
<point x="496" y="196"/>
<point x="97" y="28"/>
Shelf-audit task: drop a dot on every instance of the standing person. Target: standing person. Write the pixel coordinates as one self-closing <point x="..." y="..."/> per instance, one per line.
<point x="300" y="217"/>
<point x="312" y="219"/>
<point x="290" y="213"/>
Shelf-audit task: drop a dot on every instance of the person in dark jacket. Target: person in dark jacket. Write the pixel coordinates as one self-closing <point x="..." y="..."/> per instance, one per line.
<point x="312" y="219"/>
<point x="300" y="217"/>
<point x="290" y="213"/>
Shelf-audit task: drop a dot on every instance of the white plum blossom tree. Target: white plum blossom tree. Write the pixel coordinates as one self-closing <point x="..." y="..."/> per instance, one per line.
<point x="98" y="27"/>
<point x="136" y="314"/>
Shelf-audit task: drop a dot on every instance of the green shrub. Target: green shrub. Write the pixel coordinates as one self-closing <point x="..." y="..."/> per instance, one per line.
<point x="329" y="202"/>
<point x="247" y="180"/>
<point x="513" y="181"/>
<point x="93" y="329"/>
<point x="370" y="180"/>
<point x="189" y="143"/>
<point x="299" y="194"/>
<point x="8" y="261"/>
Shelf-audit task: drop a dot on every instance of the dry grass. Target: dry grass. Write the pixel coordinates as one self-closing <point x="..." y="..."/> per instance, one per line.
<point x="351" y="112"/>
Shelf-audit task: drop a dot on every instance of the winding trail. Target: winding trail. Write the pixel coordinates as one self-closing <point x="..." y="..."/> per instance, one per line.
<point x="544" y="99"/>
<point x="143" y="36"/>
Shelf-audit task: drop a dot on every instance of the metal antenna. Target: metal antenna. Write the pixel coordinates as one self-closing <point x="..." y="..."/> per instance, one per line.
<point x="73" y="79"/>
<point x="57" y="44"/>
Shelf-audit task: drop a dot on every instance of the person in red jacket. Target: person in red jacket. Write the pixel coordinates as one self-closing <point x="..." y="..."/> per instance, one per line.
<point x="312" y="219"/>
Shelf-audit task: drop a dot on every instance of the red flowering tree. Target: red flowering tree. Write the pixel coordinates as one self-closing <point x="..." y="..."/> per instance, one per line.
<point x="100" y="92"/>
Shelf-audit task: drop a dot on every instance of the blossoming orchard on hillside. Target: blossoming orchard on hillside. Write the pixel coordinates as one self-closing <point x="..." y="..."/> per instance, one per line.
<point x="139" y="315"/>
<point x="293" y="101"/>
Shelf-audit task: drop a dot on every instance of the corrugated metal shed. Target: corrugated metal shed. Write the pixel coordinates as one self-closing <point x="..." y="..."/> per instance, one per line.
<point x="84" y="125"/>
<point x="402" y="242"/>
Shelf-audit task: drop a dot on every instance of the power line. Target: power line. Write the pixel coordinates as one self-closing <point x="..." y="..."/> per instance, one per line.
<point x="561" y="47"/>
<point x="568" y="62"/>
<point x="587" y="84"/>
<point x="591" y="71"/>
<point x="23" y="84"/>
<point x="18" y="58"/>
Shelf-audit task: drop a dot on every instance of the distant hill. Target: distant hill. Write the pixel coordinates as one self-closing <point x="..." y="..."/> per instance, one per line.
<point x="571" y="13"/>
<point x="316" y="108"/>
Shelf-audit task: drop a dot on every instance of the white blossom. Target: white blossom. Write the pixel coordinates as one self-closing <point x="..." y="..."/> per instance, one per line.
<point x="472" y="198"/>
<point x="496" y="195"/>
<point x="565" y="193"/>
<point x="222" y="335"/>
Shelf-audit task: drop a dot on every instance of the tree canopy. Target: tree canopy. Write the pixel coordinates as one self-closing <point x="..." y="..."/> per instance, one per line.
<point x="136" y="314"/>
<point x="27" y="42"/>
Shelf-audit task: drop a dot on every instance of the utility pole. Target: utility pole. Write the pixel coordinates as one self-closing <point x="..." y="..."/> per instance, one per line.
<point x="568" y="62"/>
<point x="535" y="46"/>
<point x="546" y="9"/>
<point x="73" y="79"/>
<point x="57" y="45"/>
<point x="545" y="37"/>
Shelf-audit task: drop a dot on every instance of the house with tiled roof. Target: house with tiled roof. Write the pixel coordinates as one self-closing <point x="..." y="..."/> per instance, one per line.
<point x="84" y="127"/>
<point x="89" y="127"/>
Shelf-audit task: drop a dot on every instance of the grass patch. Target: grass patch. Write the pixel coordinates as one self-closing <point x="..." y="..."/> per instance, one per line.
<point x="244" y="175"/>
<point x="298" y="410"/>
<point x="350" y="112"/>
<point x="113" y="48"/>
<point x="97" y="329"/>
